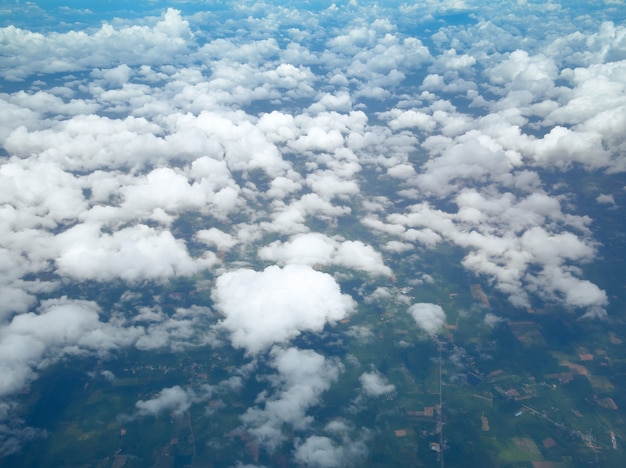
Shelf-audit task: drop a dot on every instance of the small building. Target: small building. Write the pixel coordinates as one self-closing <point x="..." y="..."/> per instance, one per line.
<point x="435" y="447"/>
<point x="512" y="393"/>
<point x="484" y="422"/>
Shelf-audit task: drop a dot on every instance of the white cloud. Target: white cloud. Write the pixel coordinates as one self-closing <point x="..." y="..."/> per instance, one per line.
<point x="451" y="60"/>
<point x="328" y="185"/>
<point x="245" y="146"/>
<point x="174" y="399"/>
<point x="319" y="249"/>
<point x="361" y="256"/>
<point x="520" y="70"/>
<point x="574" y="292"/>
<point x="91" y="142"/>
<point x="606" y="199"/>
<point x="55" y="197"/>
<point x="278" y="126"/>
<point x="290" y="218"/>
<point x="429" y="317"/>
<point x="319" y="451"/>
<point x="375" y="384"/>
<point x="32" y="52"/>
<point x="398" y="247"/>
<point x="215" y="237"/>
<point x="277" y="304"/>
<point x="475" y="157"/>
<point x="185" y="328"/>
<point x="402" y="171"/>
<point x="61" y="327"/>
<point x="163" y="189"/>
<point x="177" y="400"/>
<point x="513" y="240"/>
<point x="491" y="320"/>
<point x="303" y="375"/>
<point x="132" y="254"/>
<point x="318" y="139"/>
<point x="322" y="451"/>
<point x="361" y="333"/>
<point x="304" y="249"/>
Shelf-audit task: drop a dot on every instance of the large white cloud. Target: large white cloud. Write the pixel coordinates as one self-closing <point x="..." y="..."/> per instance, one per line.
<point x="277" y="304"/>
<point x="133" y="254"/>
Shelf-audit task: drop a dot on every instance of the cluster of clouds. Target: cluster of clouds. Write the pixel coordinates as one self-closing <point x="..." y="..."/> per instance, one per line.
<point x="519" y="243"/>
<point x="303" y="376"/>
<point x="316" y="248"/>
<point x="177" y="400"/>
<point x="333" y="146"/>
<point x="30" y="52"/>
<point x="61" y="327"/>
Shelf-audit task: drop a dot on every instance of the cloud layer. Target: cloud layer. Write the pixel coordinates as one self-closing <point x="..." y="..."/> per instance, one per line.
<point x="267" y="156"/>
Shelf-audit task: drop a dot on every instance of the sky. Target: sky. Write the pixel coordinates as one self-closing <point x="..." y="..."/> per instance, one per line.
<point x="278" y="149"/>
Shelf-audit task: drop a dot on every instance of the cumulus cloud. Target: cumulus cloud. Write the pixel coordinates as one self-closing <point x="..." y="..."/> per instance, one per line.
<point x="319" y="249"/>
<point x="213" y="236"/>
<point x="303" y="375"/>
<point x="33" y="52"/>
<point x="177" y="400"/>
<point x="514" y="241"/>
<point x="361" y="333"/>
<point x="375" y="384"/>
<point x="132" y="254"/>
<point x="277" y="304"/>
<point x="605" y="199"/>
<point x="322" y="451"/>
<point x="429" y="317"/>
<point x="491" y="320"/>
<point x="185" y="328"/>
<point x="173" y="399"/>
<point x="61" y="327"/>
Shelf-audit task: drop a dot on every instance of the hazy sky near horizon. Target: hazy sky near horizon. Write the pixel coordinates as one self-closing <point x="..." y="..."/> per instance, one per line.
<point x="279" y="123"/>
